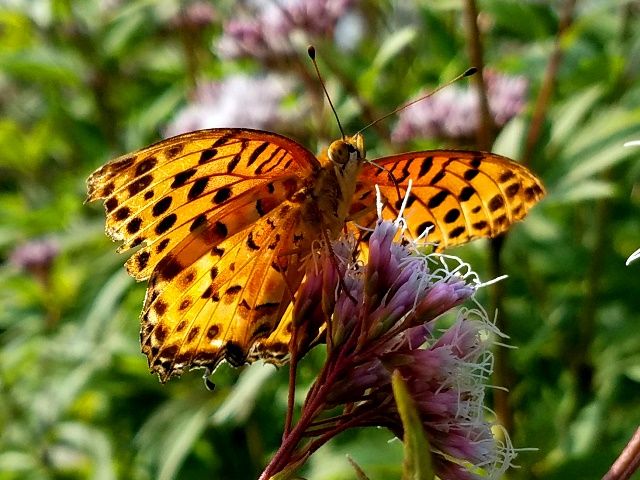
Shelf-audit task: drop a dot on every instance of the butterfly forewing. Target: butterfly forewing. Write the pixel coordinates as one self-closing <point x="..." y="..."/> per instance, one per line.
<point x="456" y="195"/>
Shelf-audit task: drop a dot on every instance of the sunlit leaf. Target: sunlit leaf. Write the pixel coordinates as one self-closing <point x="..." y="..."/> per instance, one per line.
<point x="417" y="454"/>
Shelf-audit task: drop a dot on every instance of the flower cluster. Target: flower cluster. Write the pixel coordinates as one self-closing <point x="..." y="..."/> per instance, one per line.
<point x="269" y="30"/>
<point x="215" y="104"/>
<point x="454" y="112"/>
<point x="383" y="319"/>
<point x="194" y="15"/>
<point x="35" y="256"/>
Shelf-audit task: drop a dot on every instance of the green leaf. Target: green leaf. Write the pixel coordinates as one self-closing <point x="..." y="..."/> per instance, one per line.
<point x="566" y="119"/>
<point x="585" y="190"/>
<point x="417" y="454"/>
<point x="359" y="472"/>
<point x="290" y="470"/>
<point x="241" y="401"/>
<point x="392" y="46"/>
<point x="509" y="140"/>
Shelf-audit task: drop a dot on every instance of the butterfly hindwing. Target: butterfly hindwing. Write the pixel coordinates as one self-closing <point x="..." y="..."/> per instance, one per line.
<point x="226" y="300"/>
<point x="457" y="195"/>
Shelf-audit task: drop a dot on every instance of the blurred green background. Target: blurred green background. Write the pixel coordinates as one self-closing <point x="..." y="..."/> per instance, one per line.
<point x="82" y="82"/>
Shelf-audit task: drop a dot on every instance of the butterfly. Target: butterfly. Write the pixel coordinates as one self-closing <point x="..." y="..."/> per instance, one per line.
<point x="225" y="218"/>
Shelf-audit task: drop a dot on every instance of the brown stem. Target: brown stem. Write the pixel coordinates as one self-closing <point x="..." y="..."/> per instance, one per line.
<point x="548" y="83"/>
<point x="314" y="404"/>
<point x="190" y="42"/>
<point x="486" y="129"/>
<point x="628" y="462"/>
<point x="291" y="398"/>
<point x="503" y="374"/>
<point x="580" y="361"/>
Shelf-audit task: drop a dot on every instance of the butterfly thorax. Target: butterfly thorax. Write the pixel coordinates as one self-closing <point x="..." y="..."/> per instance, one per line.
<point x="333" y="186"/>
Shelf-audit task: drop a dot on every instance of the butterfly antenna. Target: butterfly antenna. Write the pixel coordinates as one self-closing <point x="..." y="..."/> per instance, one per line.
<point x="467" y="73"/>
<point x="312" y="55"/>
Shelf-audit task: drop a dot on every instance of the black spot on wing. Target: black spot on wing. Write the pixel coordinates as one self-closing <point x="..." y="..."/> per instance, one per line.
<point x="139" y="184"/>
<point x="437" y="199"/>
<point x="197" y="188"/>
<point x="122" y="164"/>
<point x="145" y="165"/>
<point x="234" y="354"/>
<point x="181" y="178"/>
<point x="466" y="193"/>
<point x="122" y="213"/>
<point x="161" y="206"/>
<point x="207" y="155"/>
<point x="198" y="222"/>
<point x="166" y="223"/>
<point x="425" y="167"/>
<point x="496" y="203"/>
<point x="257" y="152"/>
<point x="452" y="215"/>
<point x="471" y="174"/>
<point x="456" y="232"/>
<point x="222" y="195"/>
<point x="111" y="204"/>
<point x="134" y="225"/>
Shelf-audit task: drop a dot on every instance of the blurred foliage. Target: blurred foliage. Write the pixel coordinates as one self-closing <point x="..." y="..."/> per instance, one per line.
<point x="83" y="82"/>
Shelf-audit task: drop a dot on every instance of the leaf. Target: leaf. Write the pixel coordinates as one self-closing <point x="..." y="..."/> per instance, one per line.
<point x="587" y="189"/>
<point x="567" y="118"/>
<point x="390" y="49"/>
<point x="509" y="140"/>
<point x="359" y="472"/>
<point x="393" y="45"/>
<point x="417" y="456"/>
<point x="240" y="403"/>
<point x="289" y="471"/>
<point x="605" y="158"/>
<point x="92" y="441"/>
<point x="168" y="436"/>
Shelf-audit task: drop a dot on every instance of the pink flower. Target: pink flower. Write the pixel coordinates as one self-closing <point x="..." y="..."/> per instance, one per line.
<point x="383" y="320"/>
<point x="267" y="33"/>
<point x="216" y="104"/>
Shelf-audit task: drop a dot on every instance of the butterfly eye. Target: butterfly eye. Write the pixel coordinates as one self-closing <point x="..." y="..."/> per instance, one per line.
<point x="340" y="152"/>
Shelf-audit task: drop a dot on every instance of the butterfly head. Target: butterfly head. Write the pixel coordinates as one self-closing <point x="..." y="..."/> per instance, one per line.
<point x="347" y="150"/>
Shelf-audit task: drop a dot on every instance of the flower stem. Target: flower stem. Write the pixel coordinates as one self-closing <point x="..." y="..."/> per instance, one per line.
<point x="314" y="404"/>
<point x="486" y="128"/>
<point x="628" y="462"/>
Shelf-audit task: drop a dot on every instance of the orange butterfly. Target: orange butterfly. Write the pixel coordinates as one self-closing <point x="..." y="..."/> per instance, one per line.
<point x="224" y="219"/>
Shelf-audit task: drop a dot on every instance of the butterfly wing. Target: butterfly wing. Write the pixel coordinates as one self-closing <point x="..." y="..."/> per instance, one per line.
<point x="210" y="211"/>
<point x="457" y="195"/>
